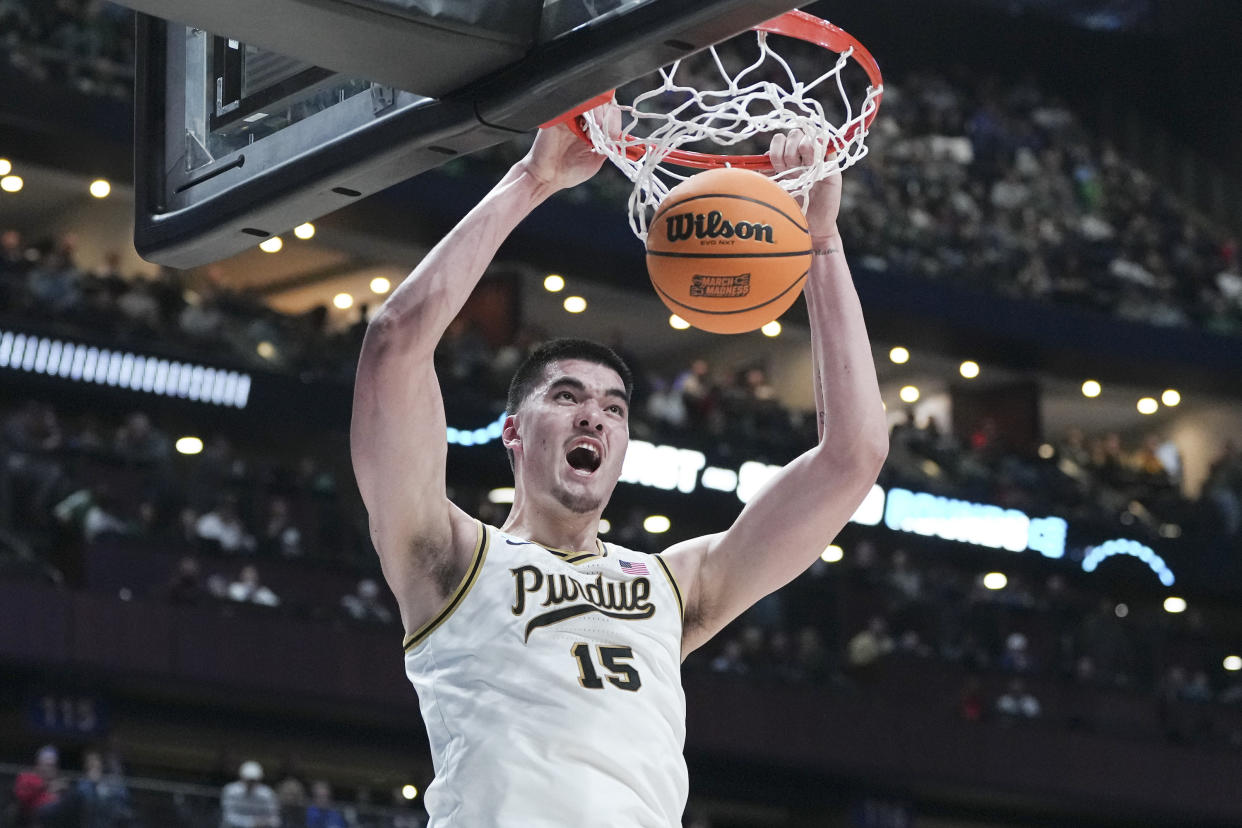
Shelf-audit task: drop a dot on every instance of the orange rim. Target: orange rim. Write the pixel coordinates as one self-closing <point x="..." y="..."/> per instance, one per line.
<point x="796" y="23"/>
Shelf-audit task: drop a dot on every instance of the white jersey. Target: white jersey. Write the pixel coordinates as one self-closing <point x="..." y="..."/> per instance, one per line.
<point x="550" y="685"/>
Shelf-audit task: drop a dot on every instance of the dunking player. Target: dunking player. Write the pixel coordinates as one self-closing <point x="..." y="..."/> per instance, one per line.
<point x="547" y="663"/>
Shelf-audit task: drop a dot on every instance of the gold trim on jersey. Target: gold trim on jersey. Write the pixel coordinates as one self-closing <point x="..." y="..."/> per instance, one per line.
<point x="577" y="558"/>
<point x="668" y="573"/>
<point x="459" y="594"/>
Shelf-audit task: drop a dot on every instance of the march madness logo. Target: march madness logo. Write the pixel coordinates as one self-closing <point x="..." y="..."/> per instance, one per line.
<point x="720" y="287"/>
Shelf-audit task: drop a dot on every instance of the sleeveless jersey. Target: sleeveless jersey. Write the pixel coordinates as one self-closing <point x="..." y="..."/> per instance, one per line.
<point x="550" y="685"/>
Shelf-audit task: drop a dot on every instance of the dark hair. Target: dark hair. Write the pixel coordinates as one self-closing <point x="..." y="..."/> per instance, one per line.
<point x="530" y="372"/>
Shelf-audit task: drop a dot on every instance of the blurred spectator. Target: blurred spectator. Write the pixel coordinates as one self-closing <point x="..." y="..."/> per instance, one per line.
<point x="1198" y="689"/>
<point x="41" y="793"/>
<point x="103" y="798"/>
<point x="971" y="705"/>
<point x="699" y="394"/>
<point x="1170" y="714"/>
<point x="186" y="584"/>
<point x="201" y="320"/>
<point x="54" y="282"/>
<point x="321" y="813"/>
<point x="1018" y="703"/>
<point x="93" y="513"/>
<point x="1017" y="657"/>
<point x="365" y="603"/>
<point x="1105" y="642"/>
<point x="665" y="406"/>
<point x="279" y="536"/>
<point x="223" y="529"/>
<point x="906" y="581"/>
<point x="248" y="589"/>
<point x="139" y="307"/>
<point x="729" y="660"/>
<point x="141" y="443"/>
<point x="1223" y="489"/>
<point x="291" y="794"/>
<point x="811" y="656"/>
<point x="248" y="803"/>
<point x="871" y="644"/>
<point x="32" y="436"/>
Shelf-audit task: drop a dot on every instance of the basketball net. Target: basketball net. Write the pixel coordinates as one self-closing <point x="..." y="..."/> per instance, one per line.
<point x="748" y="104"/>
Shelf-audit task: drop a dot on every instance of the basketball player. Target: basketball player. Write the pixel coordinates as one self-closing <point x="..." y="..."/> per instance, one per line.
<point x="547" y="663"/>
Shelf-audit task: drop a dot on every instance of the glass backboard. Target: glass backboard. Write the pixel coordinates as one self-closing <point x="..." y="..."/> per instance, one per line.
<point x="252" y="118"/>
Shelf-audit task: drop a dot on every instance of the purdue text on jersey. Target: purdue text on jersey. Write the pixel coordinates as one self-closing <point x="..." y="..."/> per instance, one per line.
<point x="626" y="600"/>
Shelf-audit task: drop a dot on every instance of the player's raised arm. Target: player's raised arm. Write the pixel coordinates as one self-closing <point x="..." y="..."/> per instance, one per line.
<point x="790" y="521"/>
<point x="397" y="434"/>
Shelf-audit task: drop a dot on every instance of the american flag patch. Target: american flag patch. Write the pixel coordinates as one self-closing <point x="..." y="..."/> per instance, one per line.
<point x="633" y="568"/>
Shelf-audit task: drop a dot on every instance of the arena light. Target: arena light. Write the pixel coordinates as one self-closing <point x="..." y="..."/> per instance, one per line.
<point x="6" y="166"/>
<point x="1121" y="610"/>
<point x="380" y="285"/>
<point x="343" y="301"/>
<point x="909" y="394"/>
<point x="1047" y="451"/>
<point x="832" y="554"/>
<point x="476" y="436"/>
<point x="1095" y="555"/>
<point x="1170" y="397"/>
<point x="976" y="523"/>
<point x="969" y="369"/>
<point x="1147" y="405"/>
<point x="272" y="245"/>
<point x="409" y="792"/>
<point x="899" y="355"/>
<point x="1090" y="388"/>
<point x="605" y="526"/>
<point x="871" y="511"/>
<point x="126" y="370"/>
<point x="995" y="581"/>
<point x="189" y="445"/>
<point x="722" y="480"/>
<point x="1174" y="605"/>
<point x="772" y="329"/>
<point x="656" y="524"/>
<point x="11" y="183"/>
<point x="574" y="304"/>
<point x="265" y="349"/>
<point x="662" y="467"/>
<point x="100" y="188"/>
<point x="677" y="323"/>
<point x="752" y="476"/>
<point x="304" y="231"/>
<point x="668" y="467"/>
<point x="503" y="494"/>
<point x="553" y="283"/>
<point x="1232" y="663"/>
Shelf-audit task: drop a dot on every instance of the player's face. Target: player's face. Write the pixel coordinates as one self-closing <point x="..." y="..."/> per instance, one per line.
<point x="575" y="430"/>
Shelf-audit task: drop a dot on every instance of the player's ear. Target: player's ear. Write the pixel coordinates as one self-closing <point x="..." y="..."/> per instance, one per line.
<point x="509" y="436"/>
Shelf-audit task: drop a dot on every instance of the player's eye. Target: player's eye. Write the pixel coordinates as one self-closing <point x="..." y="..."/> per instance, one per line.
<point x="564" y="395"/>
<point x="616" y="409"/>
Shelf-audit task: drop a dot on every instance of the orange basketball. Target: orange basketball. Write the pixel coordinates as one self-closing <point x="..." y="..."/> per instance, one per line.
<point x="728" y="250"/>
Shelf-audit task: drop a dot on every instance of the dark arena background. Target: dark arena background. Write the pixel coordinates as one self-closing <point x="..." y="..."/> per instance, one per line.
<point x="1034" y="620"/>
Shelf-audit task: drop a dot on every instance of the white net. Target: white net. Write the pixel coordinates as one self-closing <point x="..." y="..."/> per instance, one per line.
<point x="763" y="98"/>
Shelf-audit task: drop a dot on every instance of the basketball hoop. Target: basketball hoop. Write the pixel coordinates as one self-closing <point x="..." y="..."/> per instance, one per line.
<point x="658" y="124"/>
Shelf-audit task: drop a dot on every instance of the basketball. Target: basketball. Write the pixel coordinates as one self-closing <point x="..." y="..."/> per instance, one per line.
<point x="727" y="250"/>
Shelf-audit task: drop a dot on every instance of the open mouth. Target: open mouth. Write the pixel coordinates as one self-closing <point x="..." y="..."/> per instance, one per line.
<point x="583" y="458"/>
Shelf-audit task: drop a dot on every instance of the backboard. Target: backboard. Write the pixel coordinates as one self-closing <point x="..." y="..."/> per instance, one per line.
<point x="253" y="117"/>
